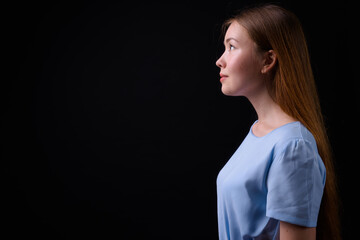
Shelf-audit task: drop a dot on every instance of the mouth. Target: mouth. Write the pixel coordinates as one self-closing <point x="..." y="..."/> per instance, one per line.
<point x="223" y="77"/>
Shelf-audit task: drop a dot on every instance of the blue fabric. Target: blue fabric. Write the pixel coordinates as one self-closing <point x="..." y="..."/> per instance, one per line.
<point x="277" y="177"/>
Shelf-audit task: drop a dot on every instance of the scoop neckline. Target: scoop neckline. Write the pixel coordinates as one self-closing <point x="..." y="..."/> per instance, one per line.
<point x="269" y="133"/>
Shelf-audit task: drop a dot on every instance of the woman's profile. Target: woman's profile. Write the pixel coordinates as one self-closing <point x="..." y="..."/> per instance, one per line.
<point x="280" y="183"/>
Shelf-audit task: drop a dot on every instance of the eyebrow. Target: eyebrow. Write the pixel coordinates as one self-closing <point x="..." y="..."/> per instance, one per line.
<point x="231" y="38"/>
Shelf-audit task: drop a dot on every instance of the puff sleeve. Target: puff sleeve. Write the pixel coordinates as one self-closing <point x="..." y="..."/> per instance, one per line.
<point x="295" y="183"/>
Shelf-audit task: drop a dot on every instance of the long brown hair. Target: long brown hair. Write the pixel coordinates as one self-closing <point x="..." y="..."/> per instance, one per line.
<point x="293" y="88"/>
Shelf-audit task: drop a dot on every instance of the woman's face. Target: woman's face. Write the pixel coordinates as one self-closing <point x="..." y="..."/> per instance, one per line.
<point x="240" y="63"/>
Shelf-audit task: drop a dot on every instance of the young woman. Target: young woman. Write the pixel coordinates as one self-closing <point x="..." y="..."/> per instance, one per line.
<point x="280" y="182"/>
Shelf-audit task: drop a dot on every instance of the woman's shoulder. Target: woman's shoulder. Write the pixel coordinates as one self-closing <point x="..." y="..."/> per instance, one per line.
<point x="285" y="136"/>
<point x="293" y="134"/>
<point x="293" y="131"/>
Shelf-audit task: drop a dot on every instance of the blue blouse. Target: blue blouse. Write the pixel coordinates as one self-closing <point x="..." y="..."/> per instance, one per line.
<point x="277" y="177"/>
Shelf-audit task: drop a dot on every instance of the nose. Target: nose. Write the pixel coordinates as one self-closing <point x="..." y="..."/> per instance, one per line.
<point x="220" y="62"/>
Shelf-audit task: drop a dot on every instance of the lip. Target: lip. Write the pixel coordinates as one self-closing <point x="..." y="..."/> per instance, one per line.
<point x="222" y="77"/>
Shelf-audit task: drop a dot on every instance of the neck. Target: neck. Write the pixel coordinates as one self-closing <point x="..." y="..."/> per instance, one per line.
<point x="269" y="112"/>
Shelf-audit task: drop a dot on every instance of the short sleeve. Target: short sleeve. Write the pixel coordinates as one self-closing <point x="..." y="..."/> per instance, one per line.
<point x="295" y="183"/>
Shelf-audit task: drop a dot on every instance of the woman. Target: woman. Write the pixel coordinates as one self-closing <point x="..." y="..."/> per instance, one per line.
<point x="280" y="182"/>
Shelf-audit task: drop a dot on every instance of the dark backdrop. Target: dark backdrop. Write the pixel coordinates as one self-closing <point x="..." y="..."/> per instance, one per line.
<point x="114" y="125"/>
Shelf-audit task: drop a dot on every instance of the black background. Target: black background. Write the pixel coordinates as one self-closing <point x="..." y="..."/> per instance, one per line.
<point x="114" y="125"/>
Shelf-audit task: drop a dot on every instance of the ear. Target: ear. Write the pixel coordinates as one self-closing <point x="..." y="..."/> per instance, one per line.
<point x="269" y="61"/>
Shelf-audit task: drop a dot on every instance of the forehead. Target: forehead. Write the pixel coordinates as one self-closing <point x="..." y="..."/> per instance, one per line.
<point x="237" y="32"/>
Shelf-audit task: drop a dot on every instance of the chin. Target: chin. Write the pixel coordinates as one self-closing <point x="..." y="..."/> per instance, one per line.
<point x="229" y="92"/>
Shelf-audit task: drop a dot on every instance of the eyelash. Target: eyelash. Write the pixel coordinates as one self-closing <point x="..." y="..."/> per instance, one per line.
<point x="231" y="47"/>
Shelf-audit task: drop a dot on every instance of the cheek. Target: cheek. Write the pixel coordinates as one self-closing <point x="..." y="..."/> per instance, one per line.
<point x="245" y="75"/>
<point x="244" y="66"/>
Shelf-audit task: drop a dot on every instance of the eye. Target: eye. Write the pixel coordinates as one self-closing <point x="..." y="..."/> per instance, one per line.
<point x="231" y="47"/>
